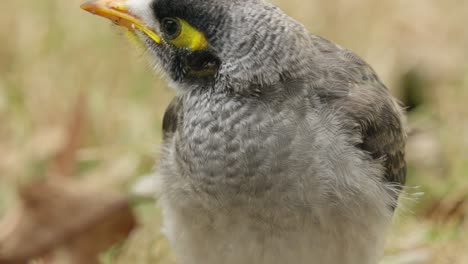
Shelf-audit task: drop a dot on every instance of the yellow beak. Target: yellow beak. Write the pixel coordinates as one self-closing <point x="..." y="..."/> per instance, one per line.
<point x="117" y="11"/>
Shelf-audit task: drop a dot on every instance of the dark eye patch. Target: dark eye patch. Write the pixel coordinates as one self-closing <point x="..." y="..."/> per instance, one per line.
<point x="202" y="60"/>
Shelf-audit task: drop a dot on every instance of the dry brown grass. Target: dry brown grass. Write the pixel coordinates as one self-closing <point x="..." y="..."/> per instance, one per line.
<point x="51" y="51"/>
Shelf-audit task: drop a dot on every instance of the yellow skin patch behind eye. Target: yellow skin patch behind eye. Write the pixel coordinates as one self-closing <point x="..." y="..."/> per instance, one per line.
<point x="189" y="37"/>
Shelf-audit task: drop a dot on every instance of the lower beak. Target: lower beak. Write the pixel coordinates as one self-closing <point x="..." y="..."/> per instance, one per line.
<point x="117" y="11"/>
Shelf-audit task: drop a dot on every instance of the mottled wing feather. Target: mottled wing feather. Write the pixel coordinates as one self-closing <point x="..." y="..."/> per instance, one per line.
<point x="386" y="143"/>
<point x="351" y="85"/>
<point x="381" y="125"/>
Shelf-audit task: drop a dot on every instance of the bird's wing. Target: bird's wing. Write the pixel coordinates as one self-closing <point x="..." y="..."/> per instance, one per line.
<point x="172" y="118"/>
<point x="382" y="130"/>
<point x="381" y="125"/>
<point x="358" y="92"/>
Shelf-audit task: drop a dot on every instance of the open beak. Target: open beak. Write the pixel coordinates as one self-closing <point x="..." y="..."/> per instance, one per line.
<point x="117" y="11"/>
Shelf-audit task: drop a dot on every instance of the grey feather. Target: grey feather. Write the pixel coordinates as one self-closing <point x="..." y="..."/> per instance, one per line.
<point x="292" y="151"/>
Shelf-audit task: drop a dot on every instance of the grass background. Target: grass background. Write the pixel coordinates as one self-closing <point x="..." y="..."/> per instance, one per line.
<point x="51" y="52"/>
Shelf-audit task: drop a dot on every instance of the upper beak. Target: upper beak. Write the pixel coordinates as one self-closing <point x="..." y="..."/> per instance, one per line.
<point x="117" y="11"/>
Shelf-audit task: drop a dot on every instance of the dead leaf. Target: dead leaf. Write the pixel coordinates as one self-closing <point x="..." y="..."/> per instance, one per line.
<point x="452" y="208"/>
<point x="65" y="215"/>
<point x="65" y="161"/>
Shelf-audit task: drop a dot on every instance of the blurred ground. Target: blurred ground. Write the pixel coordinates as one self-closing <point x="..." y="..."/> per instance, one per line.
<point x="77" y="99"/>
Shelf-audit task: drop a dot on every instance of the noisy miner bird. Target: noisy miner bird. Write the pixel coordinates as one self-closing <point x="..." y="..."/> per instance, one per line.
<point x="279" y="147"/>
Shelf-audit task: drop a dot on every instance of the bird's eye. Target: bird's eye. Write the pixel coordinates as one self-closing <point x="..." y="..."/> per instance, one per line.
<point x="183" y="35"/>
<point x="171" y="27"/>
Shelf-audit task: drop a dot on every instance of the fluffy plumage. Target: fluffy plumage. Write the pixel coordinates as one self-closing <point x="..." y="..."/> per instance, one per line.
<point x="287" y="149"/>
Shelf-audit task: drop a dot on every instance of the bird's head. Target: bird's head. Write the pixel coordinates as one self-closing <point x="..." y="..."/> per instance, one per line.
<point x="234" y="44"/>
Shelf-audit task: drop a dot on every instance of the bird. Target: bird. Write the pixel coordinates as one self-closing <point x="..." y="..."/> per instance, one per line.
<point x="280" y="146"/>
